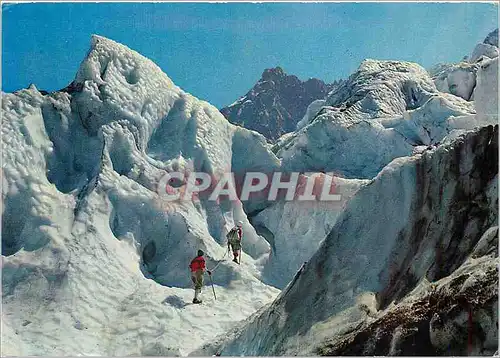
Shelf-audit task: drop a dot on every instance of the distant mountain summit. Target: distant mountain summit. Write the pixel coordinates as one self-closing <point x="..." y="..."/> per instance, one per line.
<point x="276" y="103"/>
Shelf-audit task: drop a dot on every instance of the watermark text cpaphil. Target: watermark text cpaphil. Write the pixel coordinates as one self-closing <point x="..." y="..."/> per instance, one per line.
<point x="314" y="186"/>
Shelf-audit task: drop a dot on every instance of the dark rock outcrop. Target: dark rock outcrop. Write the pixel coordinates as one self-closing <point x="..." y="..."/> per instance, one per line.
<point x="276" y="103"/>
<point x="457" y="317"/>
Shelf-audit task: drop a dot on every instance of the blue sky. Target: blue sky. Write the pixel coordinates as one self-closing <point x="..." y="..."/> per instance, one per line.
<point x="218" y="51"/>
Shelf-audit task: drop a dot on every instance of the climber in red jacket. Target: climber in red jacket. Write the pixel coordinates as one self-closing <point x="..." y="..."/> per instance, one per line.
<point x="197" y="267"/>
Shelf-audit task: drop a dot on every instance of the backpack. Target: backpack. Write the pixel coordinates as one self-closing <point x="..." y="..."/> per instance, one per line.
<point x="232" y="236"/>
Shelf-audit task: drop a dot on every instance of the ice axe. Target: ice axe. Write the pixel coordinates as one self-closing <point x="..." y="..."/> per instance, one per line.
<point x="212" y="283"/>
<point x="241" y="252"/>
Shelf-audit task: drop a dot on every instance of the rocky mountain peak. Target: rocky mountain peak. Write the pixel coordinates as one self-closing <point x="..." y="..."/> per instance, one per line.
<point x="275" y="103"/>
<point x="273" y="73"/>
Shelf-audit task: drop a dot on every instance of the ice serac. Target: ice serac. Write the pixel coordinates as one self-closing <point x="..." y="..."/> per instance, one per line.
<point x="460" y="78"/>
<point x="86" y="236"/>
<point x="381" y="112"/>
<point x="94" y="260"/>
<point x="296" y="229"/>
<point x="428" y="242"/>
<point x="276" y="103"/>
<point x="456" y="315"/>
<point x="311" y="112"/>
<point x="487" y="49"/>
<point x="457" y="79"/>
<point x="486" y="92"/>
<point x="381" y="88"/>
<point x="384" y="111"/>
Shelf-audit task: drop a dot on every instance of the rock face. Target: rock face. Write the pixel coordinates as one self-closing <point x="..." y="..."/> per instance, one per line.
<point x="276" y="103"/>
<point x="457" y="315"/>
<point x="371" y="270"/>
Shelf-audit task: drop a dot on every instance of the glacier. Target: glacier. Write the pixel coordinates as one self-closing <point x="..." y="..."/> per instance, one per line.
<point x="423" y="220"/>
<point x="86" y="238"/>
<point x="382" y="112"/>
<point x="410" y="265"/>
<point x="94" y="261"/>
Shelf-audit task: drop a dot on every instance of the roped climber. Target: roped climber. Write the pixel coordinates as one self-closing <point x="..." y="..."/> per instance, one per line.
<point x="234" y="241"/>
<point x="198" y="267"/>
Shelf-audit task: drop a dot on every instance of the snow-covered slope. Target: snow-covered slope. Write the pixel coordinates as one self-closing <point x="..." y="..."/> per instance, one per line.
<point x="86" y="237"/>
<point x="419" y="220"/>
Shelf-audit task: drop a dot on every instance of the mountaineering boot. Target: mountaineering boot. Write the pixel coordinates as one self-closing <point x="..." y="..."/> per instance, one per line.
<point x="196" y="299"/>
<point x="236" y="260"/>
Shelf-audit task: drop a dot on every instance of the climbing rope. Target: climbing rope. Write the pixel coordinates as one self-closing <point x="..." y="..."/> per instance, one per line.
<point x="212" y="270"/>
